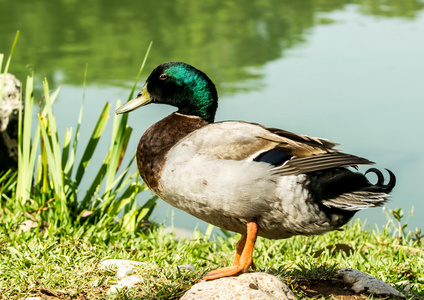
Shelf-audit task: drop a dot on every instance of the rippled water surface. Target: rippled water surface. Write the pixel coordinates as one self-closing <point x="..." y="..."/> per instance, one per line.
<point x="349" y="71"/>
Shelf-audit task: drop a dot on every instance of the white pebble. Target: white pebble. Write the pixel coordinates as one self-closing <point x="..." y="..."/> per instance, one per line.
<point x="124" y="271"/>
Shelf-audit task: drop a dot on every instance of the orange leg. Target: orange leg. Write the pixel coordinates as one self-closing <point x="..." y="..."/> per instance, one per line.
<point x="239" y="249"/>
<point x="243" y="259"/>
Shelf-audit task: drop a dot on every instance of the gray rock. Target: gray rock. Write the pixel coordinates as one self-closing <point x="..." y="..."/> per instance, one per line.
<point x="125" y="282"/>
<point x="124" y="271"/>
<point x="362" y="282"/>
<point x="188" y="267"/>
<point x="110" y="263"/>
<point x="124" y="267"/>
<point x="254" y="285"/>
<point x="9" y="120"/>
<point x="405" y="284"/>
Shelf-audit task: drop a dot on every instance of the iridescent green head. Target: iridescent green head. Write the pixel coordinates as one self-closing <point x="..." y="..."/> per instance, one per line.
<point x="181" y="85"/>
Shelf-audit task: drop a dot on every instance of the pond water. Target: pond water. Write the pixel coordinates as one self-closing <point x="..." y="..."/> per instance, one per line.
<point x="348" y="71"/>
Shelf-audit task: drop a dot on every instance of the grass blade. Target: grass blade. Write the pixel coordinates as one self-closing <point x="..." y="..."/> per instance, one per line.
<point x="66" y="148"/>
<point x="92" y="144"/>
<point x="120" y="137"/>
<point x="55" y="159"/>
<point x="26" y="156"/>
<point x="70" y="163"/>
<point x="139" y="71"/>
<point x="6" y="68"/>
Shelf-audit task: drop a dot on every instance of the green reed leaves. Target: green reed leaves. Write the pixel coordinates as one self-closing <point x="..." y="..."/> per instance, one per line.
<point x="48" y="189"/>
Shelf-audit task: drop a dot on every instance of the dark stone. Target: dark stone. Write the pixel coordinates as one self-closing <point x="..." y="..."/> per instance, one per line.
<point x="9" y="120"/>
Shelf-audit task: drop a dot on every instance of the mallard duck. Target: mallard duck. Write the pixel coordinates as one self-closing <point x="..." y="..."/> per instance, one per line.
<point x="245" y="177"/>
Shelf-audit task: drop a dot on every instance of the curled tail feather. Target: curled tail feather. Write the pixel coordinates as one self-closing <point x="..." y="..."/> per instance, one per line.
<point x="364" y="197"/>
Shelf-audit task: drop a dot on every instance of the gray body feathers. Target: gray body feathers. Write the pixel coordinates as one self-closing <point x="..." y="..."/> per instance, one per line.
<point x="211" y="174"/>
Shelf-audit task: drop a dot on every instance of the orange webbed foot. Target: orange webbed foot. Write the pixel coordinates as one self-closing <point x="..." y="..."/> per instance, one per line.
<point x="243" y="259"/>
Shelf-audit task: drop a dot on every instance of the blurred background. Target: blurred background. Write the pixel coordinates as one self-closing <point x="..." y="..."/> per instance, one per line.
<point x="348" y="71"/>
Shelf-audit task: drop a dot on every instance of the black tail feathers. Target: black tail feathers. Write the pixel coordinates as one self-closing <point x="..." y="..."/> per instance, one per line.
<point x="352" y="191"/>
<point x="380" y="187"/>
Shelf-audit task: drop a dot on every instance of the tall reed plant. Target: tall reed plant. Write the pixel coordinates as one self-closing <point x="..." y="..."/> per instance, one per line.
<point x="49" y="176"/>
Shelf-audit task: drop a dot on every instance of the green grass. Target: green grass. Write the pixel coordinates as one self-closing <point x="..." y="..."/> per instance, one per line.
<point x="69" y="232"/>
<point x="33" y="263"/>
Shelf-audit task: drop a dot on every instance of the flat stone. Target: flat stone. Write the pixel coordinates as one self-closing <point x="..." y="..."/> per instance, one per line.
<point x="124" y="267"/>
<point x="27" y="225"/>
<point x="125" y="282"/>
<point x="188" y="267"/>
<point x="362" y="282"/>
<point x="254" y="285"/>
<point x="405" y="284"/>
<point x="124" y="271"/>
<point x="110" y="263"/>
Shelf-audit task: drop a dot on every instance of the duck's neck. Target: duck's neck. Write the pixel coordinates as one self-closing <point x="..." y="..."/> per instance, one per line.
<point x="158" y="140"/>
<point x="203" y="108"/>
<point x="207" y="114"/>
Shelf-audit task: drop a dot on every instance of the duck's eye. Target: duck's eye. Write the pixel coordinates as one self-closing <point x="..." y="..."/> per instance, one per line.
<point x="163" y="76"/>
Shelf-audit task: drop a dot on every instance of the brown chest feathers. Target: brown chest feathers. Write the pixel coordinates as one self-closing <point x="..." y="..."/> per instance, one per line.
<point x="158" y="140"/>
